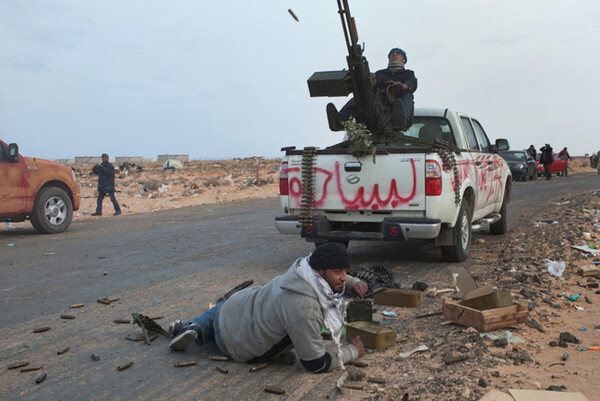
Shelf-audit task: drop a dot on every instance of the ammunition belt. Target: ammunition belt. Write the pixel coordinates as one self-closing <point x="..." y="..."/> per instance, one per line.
<point x="307" y="203"/>
<point x="449" y="162"/>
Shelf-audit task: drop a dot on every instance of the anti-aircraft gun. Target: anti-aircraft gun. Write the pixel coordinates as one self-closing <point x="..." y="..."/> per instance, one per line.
<point x="376" y="108"/>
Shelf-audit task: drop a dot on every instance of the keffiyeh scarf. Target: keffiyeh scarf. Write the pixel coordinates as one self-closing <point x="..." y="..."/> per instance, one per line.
<point x="331" y="303"/>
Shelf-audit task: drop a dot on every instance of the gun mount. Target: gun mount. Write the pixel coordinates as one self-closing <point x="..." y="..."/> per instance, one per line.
<point x="377" y="108"/>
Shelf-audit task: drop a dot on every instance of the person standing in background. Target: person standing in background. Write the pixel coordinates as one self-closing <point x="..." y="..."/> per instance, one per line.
<point x="546" y="159"/>
<point x="106" y="185"/>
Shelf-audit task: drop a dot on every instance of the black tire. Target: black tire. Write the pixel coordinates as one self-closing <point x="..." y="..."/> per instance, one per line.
<point x="462" y="234"/>
<point x="500" y="227"/>
<point x="345" y="243"/>
<point x="52" y="211"/>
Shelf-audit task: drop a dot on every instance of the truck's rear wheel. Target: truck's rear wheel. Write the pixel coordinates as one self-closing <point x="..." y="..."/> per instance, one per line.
<point x="462" y="237"/>
<point x="500" y="227"/>
<point x="52" y="211"/>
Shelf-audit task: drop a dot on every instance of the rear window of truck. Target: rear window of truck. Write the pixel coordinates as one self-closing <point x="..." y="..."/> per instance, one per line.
<point x="427" y="129"/>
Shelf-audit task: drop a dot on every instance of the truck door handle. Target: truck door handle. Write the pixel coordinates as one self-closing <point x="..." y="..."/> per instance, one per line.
<point x="352" y="166"/>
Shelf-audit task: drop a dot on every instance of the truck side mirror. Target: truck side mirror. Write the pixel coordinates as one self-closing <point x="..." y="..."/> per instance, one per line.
<point x="13" y="153"/>
<point x="502" y="145"/>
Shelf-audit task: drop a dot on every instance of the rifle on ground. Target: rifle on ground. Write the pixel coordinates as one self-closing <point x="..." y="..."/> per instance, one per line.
<point x="235" y="289"/>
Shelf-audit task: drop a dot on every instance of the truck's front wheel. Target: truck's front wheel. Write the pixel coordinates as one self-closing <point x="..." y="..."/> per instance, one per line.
<point x="462" y="237"/>
<point x="52" y="211"/>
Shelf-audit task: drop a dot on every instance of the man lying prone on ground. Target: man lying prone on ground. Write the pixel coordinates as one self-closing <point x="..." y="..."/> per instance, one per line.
<point x="263" y="322"/>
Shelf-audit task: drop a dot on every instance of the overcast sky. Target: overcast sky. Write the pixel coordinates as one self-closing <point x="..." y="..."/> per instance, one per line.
<point x="224" y="79"/>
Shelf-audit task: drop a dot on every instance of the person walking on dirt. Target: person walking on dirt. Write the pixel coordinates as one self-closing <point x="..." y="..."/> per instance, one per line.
<point x="106" y="185"/>
<point x="403" y="82"/>
<point x="565" y="154"/>
<point x="546" y="159"/>
<point x="263" y="322"/>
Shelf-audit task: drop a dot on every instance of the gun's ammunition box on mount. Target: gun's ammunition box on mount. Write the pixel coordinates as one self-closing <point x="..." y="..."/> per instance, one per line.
<point x="330" y="83"/>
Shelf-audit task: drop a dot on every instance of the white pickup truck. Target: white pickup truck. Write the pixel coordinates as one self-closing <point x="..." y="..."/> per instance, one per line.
<point x="441" y="180"/>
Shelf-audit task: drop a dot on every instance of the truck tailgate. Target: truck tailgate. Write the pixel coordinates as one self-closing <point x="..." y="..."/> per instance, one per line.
<point x="343" y="182"/>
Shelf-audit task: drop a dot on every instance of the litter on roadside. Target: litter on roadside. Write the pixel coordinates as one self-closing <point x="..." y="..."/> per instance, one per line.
<point x="555" y="268"/>
<point x="389" y="313"/>
<point x="420" y="348"/>
<point x="587" y="249"/>
<point x="507" y="335"/>
<point x="588" y="348"/>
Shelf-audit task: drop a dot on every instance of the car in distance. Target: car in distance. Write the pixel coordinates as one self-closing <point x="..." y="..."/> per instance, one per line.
<point x="42" y="191"/>
<point x="521" y="164"/>
<point x="558" y="166"/>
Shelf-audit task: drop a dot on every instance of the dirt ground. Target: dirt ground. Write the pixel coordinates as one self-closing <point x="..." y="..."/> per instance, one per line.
<point x="460" y="364"/>
<point x="198" y="183"/>
<point x="515" y="262"/>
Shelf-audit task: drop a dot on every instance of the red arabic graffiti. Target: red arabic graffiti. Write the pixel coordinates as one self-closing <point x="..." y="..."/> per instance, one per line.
<point x="363" y="199"/>
<point x="489" y="180"/>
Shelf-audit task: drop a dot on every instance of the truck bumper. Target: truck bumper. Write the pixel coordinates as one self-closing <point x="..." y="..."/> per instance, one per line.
<point x="287" y="225"/>
<point x="390" y="229"/>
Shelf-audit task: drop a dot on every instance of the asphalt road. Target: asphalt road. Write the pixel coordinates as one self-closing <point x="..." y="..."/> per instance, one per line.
<point x="172" y="264"/>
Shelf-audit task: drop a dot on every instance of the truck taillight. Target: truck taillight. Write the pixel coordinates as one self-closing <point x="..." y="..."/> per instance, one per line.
<point x="433" y="178"/>
<point x="284" y="189"/>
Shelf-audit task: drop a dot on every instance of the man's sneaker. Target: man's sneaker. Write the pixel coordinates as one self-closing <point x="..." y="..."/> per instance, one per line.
<point x="175" y="328"/>
<point x="96" y="214"/>
<point x="117" y="213"/>
<point x="333" y="118"/>
<point x="183" y="339"/>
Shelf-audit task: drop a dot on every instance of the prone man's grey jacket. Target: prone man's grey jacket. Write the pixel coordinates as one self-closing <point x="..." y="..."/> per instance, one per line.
<point x="259" y="322"/>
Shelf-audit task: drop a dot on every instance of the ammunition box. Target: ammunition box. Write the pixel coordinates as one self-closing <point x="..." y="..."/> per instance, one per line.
<point x="372" y="335"/>
<point x="500" y="299"/>
<point x="588" y="271"/>
<point x="329" y="83"/>
<point x="396" y="297"/>
<point x="486" y="320"/>
<point x="359" y="311"/>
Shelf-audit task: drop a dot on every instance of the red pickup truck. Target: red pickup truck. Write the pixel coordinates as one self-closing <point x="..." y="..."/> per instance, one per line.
<point x="42" y="191"/>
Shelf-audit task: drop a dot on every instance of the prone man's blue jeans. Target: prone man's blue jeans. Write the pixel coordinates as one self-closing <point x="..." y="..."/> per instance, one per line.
<point x="209" y="326"/>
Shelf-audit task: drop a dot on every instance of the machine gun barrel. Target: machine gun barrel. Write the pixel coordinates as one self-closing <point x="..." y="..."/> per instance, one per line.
<point x="360" y="75"/>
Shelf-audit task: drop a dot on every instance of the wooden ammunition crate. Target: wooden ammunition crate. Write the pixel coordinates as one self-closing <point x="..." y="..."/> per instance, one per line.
<point x="500" y="299"/>
<point x="372" y="335"/>
<point x="396" y="297"/>
<point x="484" y="320"/>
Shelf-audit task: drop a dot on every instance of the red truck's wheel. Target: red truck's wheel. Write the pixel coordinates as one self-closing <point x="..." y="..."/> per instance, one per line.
<point x="462" y="236"/>
<point x="52" y="211"/>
